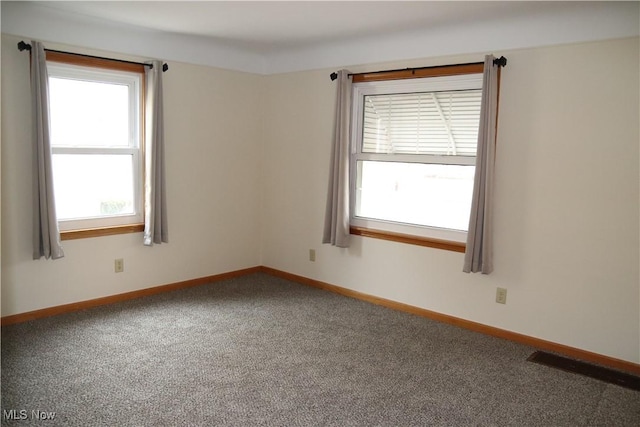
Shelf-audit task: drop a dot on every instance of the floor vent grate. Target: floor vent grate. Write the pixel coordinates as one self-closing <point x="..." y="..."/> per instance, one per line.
<point x="583" y="368"/>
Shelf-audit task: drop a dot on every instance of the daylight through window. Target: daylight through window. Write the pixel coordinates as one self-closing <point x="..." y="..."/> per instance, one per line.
<point x="95" y="138"/>
<point x="413" y="160"/>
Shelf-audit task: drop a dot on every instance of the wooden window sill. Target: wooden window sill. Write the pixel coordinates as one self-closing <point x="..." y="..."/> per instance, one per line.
<point x="101" y="231"/>
<point x="406" y="238"/>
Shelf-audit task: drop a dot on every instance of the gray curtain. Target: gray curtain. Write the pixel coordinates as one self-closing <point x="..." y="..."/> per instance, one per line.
<point x="479" y="253"/>
<point x="46" y="234"/>
<point x="336" y="220"/>
<point x="155" y="210"/>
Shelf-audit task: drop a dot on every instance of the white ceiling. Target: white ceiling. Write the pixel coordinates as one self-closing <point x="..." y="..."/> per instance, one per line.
<point x="267" y="36"/>
<point x="265" y="26"/>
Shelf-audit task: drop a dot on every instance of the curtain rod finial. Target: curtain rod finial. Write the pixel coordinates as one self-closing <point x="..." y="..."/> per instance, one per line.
<point x="22" y="46"/>
<point x="500" y="62"/>
<point x="333" y="76"/>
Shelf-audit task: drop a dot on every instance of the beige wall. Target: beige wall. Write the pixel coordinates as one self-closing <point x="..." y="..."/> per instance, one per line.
<point x="248" y="162"/>
<point x="567" y="186"/>
<point x="212" y="125"/>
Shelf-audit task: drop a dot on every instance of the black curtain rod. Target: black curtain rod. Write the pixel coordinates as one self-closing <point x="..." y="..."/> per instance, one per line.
<point x="25" y="46"/>
<point x="500" y="62"/>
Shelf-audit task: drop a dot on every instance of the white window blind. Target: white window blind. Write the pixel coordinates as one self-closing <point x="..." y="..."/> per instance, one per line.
<point x="435" y="123"/>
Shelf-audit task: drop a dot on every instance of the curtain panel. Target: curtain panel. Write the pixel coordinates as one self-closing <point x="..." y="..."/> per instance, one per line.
<point x="336" y="222"/>
<point x="155" y="210"/>
<point x="479" y="252"/>
<point x="46" y="233"/>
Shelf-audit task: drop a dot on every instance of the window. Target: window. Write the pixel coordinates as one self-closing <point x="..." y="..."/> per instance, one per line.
<point x="413" y="155"/>
<point x="96" y="138"/>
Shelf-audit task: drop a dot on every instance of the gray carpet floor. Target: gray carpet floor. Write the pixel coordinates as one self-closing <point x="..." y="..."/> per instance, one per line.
<point x="259" y="350"/>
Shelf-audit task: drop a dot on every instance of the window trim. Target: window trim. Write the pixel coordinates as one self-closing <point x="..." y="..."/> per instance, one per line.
<point x="415" y="73"/>
<point x="376" y="228"/>
<point x="101" y="231"/>
<point x="135" y="224"/>
<point x="429" y="242"/>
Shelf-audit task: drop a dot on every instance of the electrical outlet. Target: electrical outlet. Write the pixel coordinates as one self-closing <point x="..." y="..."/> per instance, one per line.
<point x="119" y="265"/>
<point x="312" y="255"/>
<point x="501" y="295"/>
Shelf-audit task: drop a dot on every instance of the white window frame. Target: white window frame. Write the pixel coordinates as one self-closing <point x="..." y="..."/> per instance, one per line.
<point x="134" y="81"/>
<point x="426" y="84"/>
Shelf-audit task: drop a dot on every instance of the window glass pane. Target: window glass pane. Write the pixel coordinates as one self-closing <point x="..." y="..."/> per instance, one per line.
<point x="85" y="113"/>
<point x="437" y="123"/>
<point x="415" y="193"/>
<point x="89" y="186"/>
